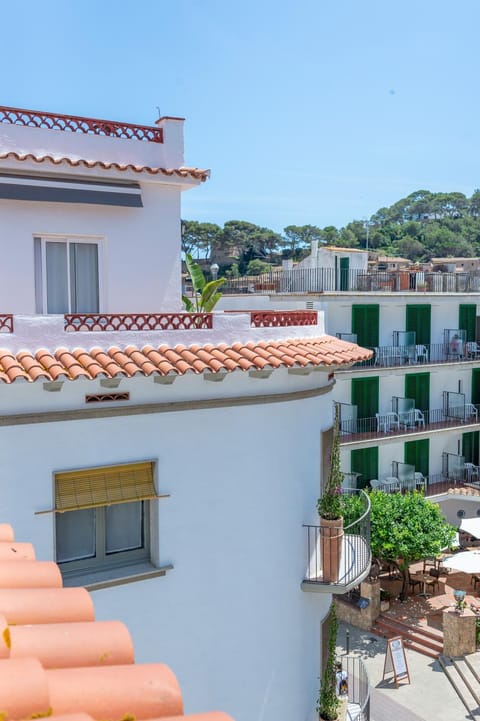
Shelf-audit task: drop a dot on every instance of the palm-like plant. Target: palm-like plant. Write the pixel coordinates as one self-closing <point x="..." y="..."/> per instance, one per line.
<point x="330" y="504"/>
<point x="206" y="295"/>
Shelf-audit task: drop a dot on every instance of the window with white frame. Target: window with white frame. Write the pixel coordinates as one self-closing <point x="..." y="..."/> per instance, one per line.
<point x="102" y="517"/>
<point x="67" y="275"/>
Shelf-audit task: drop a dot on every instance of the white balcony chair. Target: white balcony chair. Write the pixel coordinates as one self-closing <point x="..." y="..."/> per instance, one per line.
<point x="473" y="349"/>
<point x="420" y="480"/>
<point x="376" y="485"/>
<point x="421" y="351"/>
<point x="471" y="472"/>
<point x="387" y="422"/>
<point x="418" y="418"/>
<point x="471" y="411"/>
<point x="391" y="484"/>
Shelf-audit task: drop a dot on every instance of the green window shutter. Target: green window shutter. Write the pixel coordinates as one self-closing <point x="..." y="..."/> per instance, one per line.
<point x="470" y="447"/>
<point x="364" y="461"/>
<point x="417" y="453"/>
<point x="344" y="273"/>
<point x="365" y="323"/>
<point x="467" y="320"/>
<point x="417" y="386"/>
<point x="418" y="318"/>
<point x="475" y="385"/>
<point x="365" y="396"/>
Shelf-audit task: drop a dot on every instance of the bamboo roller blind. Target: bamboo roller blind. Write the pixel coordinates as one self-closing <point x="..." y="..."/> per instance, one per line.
<point x="104" y="486"/>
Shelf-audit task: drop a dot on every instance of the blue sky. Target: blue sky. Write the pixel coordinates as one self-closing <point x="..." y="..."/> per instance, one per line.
<point x="314" y="111"/>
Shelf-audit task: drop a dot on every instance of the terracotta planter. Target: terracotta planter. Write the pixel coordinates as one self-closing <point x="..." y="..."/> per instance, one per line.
<point x="331" y="536"/>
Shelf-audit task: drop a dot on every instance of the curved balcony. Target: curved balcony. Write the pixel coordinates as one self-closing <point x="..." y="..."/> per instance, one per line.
<point x="355" y="554"/>
<point x="358" y="687"/>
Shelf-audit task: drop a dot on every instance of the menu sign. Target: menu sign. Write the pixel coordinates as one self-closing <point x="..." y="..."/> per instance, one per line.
<point x="395" y="660"/>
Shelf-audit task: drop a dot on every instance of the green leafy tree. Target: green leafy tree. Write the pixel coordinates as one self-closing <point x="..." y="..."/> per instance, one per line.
<point x="257" y="267"/>
<point x="200" y="238"/>
<point x="404" y="529"/>
<point x="298" y="239"/>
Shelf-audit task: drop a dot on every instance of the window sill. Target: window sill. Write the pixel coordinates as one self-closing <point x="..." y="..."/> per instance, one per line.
<point x="106" y="578"/>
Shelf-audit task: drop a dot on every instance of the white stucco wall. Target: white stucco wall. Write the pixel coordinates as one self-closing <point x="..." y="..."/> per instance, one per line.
<point x="451" y="505"/>
<point x="230" y="619"/>
<point x="140" y="249"/>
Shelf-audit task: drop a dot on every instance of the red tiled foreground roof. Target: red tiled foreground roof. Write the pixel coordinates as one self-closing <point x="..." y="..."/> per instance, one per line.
<point x="196" y="173"/>
<point x="57" y="661"/>
<point x="64" y="364"/>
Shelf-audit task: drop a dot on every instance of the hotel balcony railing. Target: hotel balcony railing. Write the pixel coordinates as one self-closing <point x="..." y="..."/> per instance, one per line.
<point x="320" y="280"/>
<point x="355" y="556"/>
<point x="358" y="687"/>
<point x="386" y="426"/>
<point x="179" y="321"/>
<point x="437" y="483"/>
<point x="391" y="356"/>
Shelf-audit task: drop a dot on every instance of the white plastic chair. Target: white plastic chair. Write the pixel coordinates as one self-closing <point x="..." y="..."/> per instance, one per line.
<point x="420" y="480"/>
<point x="418" y="418"/>
<point x="471" y="411"/>
<point x="473" y="349"/>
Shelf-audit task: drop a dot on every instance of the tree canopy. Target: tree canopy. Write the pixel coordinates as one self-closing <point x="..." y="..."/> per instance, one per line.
<point x="404" y="528"/>
<point x="421" y="226"/>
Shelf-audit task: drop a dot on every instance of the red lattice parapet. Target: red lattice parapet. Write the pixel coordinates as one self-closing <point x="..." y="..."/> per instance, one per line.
<point x="274" y="319"/>
<point x="6" y="323"/>
<point x="136" y="321"/>
<point x="77" y="124"/>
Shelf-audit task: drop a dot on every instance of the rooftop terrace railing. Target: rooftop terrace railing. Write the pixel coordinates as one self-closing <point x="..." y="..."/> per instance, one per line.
<point x="78" y="124"/>
<point x="75" y="322"/>
<point x="322" y="280"/>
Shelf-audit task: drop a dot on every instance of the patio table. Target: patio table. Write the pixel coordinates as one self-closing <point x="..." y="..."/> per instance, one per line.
<point x="423" y="577"/>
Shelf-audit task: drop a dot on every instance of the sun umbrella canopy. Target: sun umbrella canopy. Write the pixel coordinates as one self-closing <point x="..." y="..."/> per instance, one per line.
<point x="471" y="526"/>
<point x="468" y="562"/>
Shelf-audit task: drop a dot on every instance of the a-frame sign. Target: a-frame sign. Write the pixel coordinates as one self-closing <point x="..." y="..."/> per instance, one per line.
<point x="395" y="660"/>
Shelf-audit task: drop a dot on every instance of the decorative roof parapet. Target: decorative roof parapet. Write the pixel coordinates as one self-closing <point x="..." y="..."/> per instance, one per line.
<point x="79" y="124"/>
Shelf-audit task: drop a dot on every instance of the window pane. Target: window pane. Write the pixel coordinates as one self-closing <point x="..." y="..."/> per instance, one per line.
<point x="84" y="277"/>
<point x="57" y="286"/>
<point x="75" y="534"/>
<point x="124" y="527"/>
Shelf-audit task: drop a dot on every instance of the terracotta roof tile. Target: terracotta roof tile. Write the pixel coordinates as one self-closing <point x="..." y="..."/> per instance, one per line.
<point x="182" y="172"/>
<point x="165" y="360"/>
<point x="57" y="661"/>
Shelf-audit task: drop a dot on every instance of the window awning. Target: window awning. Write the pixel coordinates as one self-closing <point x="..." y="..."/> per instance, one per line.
<point x="104" y="486"/>
<point x="58" y="189"/>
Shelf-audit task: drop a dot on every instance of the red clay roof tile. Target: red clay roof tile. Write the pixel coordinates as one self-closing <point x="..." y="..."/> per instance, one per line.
<point x="182" y="172"/>
<point x="56" y="661"/>
<point x="112" y="362"/>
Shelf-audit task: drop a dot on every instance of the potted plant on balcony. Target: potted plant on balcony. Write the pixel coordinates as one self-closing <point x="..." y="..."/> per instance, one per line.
<point x="330" y="510"/>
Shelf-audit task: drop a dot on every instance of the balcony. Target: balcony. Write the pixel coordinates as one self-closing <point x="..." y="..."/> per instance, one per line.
<point x="324" y="280"/>
<point x="391" y="424"/>
<point x="355" y="557"/>
<point x="358" y="687"/>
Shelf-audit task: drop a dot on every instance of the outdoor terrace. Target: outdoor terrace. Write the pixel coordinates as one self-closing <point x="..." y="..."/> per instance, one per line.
<point x="324" y="280"/>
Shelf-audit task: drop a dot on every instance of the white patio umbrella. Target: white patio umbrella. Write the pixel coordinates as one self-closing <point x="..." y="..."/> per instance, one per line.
<point x="471" y="526"/>
<point x="467" y="561"/>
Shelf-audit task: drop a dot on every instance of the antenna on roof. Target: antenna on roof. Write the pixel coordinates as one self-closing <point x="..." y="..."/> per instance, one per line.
<point x="158" y="111"/>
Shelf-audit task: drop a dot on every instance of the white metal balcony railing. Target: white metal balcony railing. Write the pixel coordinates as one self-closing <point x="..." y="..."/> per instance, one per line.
<point x="350" y="556"/>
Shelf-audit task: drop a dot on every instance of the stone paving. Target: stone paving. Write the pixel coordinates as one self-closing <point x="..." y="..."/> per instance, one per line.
<point x="429" y="695"/>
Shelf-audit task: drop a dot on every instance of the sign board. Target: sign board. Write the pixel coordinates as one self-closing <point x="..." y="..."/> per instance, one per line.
<point x="395" y="660"/>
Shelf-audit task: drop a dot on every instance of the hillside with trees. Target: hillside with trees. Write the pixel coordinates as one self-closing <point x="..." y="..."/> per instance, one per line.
<point x="421" y="226"/>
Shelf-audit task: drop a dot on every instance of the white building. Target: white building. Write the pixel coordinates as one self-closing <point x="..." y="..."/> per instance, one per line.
<point x="414" y="407"/>
<point x="177" y="499"/>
